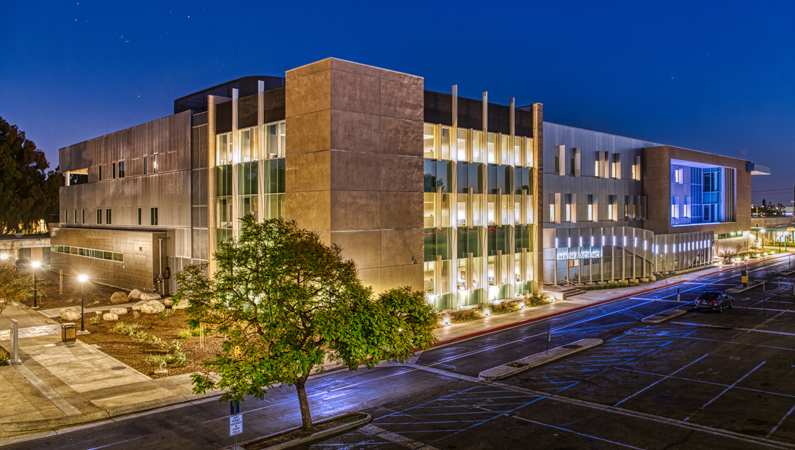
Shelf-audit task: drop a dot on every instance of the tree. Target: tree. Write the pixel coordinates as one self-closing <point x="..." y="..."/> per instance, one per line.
<point x="285" y="302"/>
<point x="27" y="193"/>
<point x="14" y="286"/>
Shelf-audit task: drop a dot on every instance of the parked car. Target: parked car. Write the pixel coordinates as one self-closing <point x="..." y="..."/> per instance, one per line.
<point x="712" y="300"/>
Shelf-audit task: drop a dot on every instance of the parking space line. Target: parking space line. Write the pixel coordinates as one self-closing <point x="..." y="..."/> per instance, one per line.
<point x="713" y="383"/>
<point x="742" y="343"/>
<point x="590" y="436"/>
<point x="725" y="390"/>
<point x="780" y="422"/>
<point x="768" y="320"/>
<point x="707" y="325"/>
<point x="396" y="438"/>
<point x="663" y="379"/>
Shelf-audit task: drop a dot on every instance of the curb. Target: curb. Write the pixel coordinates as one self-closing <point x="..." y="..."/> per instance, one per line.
<point x="532" y="361"/>
<point x="312" y="437"/>
<point x="577" y="308"/>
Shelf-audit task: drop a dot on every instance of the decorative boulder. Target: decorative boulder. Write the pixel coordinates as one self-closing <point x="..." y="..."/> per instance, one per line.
<point x="181" y="305"/>
<point x="119" y="297"/>
<point x="135" y="294"/>
<point x="152" y="307"/>
<point x="137" y="306"/>
<point x="108" y="317"/>
<point x="70" y="314"/>
<point x="146" y="296"/>
<point x="168" y="302"/>
<point x="118" y="311"/>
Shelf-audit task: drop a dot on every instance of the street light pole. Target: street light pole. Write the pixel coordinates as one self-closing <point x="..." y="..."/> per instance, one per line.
<point x="82" y="279"/>
<point x="35" y="265"/>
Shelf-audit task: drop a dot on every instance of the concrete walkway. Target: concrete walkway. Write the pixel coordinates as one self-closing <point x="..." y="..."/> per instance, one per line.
<point x="58" y="385"/>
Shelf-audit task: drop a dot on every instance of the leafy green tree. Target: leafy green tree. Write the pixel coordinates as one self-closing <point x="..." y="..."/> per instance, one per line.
<point x="285" y="302"/>
<point x="28" y="193"/>
<point x="14" y="285"/>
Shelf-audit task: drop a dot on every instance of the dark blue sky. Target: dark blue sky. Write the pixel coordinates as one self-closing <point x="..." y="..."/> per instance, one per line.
<point x="712" y="76"/>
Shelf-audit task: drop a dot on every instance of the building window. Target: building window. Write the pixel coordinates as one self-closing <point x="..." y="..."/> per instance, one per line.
<point x="146" y="169"/>
<point x="100" y="173"/>
<point x="107" y="217"/>
<point x="153" y="216"/>
<point x="121" y="169"/>
<point x="75" y="216"/>
<point x="551" y="212"/>
<point x="99" y="217"/>
<point x="154" y="164"/>
<point x="572" y="166"/>
<point x="113" y="176"/>
<point x="139" y="216"/>
<point x="674" y="208"/>
<point x="82" y="216"/>
<point x="557" y="164"/>
<point x="617" y="166"/>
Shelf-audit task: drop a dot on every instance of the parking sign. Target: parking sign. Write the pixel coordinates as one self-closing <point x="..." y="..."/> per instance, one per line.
<point x="235" y="424"/>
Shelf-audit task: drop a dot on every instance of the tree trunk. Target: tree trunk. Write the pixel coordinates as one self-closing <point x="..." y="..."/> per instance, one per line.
<point x="306" y="416"/>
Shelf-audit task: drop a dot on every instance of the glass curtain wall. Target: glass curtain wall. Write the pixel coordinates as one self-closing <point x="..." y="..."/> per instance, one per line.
<point x="259" y="152"/>
<point x="478" y="219"/>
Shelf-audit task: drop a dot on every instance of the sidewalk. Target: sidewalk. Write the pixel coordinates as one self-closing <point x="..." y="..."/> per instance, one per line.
<point x="58" y="385"/>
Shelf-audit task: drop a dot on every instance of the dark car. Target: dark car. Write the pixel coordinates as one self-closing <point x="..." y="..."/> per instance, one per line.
<point x="717" y="301"/>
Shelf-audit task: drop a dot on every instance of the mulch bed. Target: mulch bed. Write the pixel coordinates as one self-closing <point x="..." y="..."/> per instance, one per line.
<point x="166" y="327"/>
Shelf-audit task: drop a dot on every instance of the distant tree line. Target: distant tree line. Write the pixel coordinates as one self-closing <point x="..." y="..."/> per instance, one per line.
<point x="767" y="209"/>
<point x="28" y="192"/>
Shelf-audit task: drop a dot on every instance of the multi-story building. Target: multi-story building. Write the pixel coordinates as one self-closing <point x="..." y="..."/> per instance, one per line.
<point x="618" y="208"/>
<point x="450" y="195"/>
<point x="419" y="188"/>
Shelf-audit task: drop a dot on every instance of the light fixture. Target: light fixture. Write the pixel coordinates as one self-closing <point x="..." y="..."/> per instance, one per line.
<point x="82" y="278"/>
<point x="4" y="256"/>
<point x="35" y="264"/>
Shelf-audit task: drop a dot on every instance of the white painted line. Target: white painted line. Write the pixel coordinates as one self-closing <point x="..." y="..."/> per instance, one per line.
<point x="780" y="422"/>
<point x="662" y="379"/>
<point x="706" y="325"/>
<point x="621" y="411"/>
<point x="729" y="387"/>
<point x="53" y="396"/>
<point x="590" y="436"/>
<point x="396" y="438"/>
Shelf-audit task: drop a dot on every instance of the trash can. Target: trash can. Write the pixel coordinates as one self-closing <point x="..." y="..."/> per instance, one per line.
<point x="744" y="278"/>
<point x="68" y="333"/>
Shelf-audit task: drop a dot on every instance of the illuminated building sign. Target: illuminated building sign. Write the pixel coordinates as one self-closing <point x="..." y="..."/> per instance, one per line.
<point x="580" y="255"/>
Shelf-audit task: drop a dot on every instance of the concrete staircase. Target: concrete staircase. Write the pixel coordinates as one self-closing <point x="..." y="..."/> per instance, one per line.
<point x="562" y="292"/>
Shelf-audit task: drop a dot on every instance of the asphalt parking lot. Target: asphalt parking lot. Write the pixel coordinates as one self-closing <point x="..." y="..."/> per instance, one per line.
<point x="700" y="380"/>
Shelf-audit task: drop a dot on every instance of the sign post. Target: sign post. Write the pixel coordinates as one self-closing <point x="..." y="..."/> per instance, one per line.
<point x="14" y="342"/>
<point x="235" y="421"/>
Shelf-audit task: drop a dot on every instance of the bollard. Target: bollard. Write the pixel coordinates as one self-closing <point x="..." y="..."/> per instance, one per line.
<point x="744" y="278"/>
<point x="14" y="342"/>
<point x="677" y="295"/>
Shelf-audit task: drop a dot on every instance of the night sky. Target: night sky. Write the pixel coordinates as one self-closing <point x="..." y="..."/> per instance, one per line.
<point x="711" y="76"/>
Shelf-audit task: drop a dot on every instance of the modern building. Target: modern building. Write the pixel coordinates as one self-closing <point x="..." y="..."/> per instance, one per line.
<point x="419" y="188"/>
<point x="617" y="208"/>
<point x="468" y="200"/>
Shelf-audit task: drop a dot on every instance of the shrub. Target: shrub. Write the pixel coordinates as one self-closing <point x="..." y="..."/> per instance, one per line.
<point x="185" y="334"/>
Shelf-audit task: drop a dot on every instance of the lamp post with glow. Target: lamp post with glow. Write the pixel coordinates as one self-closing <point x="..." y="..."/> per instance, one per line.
<point x="35" y="265"/>
<point x="82" y="278"/>
<point x="4" y="256"/>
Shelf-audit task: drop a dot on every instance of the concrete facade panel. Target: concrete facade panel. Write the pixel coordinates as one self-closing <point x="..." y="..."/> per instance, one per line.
<point x="355" y="132"/>
<point x="401" y="173"/>
<point x="309" y="209"/>
<point x="401" y="210"/>
<point x="309" y="171"/>
<point x="401" y="136"/>
<point x="354" y="171"/>
<point x="356" y="93"/>
<point x="400" y="100"/>
<point x="354" y="210"/>
<point x="401" y="247"/>
<point x="363" y="247"/>
<point x="309" y="94"/>
<point x="312" y="132"/>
